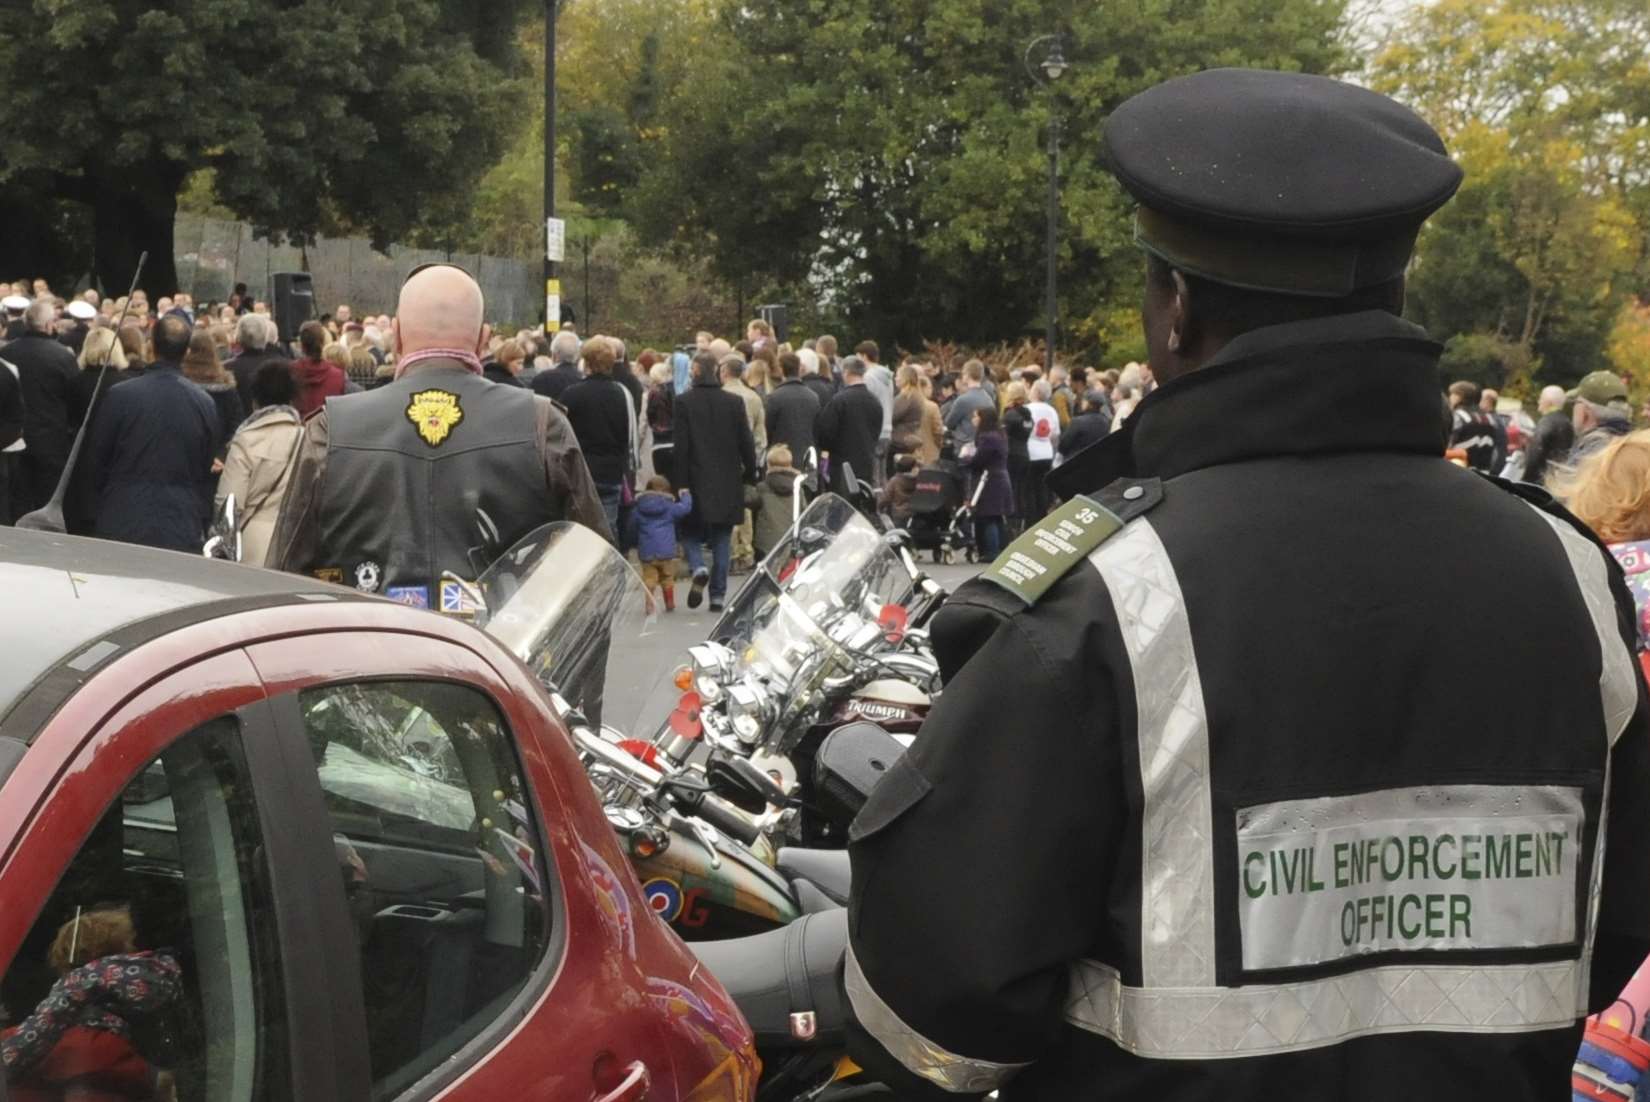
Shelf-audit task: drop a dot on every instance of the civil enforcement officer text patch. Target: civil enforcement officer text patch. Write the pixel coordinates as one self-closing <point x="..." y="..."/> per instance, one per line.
<point x="1441" y="867"/>
<point x="1061" y="540"/>
<point x="434" y="413"/>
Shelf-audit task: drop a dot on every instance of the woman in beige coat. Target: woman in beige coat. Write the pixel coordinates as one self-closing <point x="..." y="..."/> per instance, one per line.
<point x="261" y="459"/>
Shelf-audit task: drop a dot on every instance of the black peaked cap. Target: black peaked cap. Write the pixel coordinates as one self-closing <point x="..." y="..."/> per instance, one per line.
<point x="1246" y="151"/>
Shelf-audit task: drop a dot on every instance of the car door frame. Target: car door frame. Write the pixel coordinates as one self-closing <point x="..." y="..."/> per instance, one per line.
<point x="95" y="767"/>
<point x="363" y="656"/>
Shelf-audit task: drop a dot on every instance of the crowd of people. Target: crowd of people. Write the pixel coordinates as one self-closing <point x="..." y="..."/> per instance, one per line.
<point x="200" y="403"/>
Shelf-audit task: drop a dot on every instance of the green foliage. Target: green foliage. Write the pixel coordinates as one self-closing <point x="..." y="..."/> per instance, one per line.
<point x="890" y="152"/>
<point x="1483" y="358"/>
<point x="315" y="116"/>
<point x="1546" y="104"/>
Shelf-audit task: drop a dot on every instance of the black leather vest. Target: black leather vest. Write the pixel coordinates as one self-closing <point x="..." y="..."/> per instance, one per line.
<point x="411" y="469"/>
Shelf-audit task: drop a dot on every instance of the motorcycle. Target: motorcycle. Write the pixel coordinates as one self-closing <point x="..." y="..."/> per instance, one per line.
<point x="769" y="924"/>
<point x="829" y="632"/>
<point x="223" y="537"/>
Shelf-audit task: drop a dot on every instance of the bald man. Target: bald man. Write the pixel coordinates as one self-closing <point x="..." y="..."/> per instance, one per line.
<point x="1553" y="438"/>
<point x="435" y="473"/>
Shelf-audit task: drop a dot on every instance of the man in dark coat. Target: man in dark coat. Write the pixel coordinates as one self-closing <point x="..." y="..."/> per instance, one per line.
<point x="259" y="343"/>
<point x="1554" y="436"/>
<point x="46" y="373"/>
<point x="715" y="457"/>
<point x="11" y="433"/>
<point x="1090" y="426"/>
<point x="151" y="450"/>
<point x="564" y="349"/>
<point x="849" y="427"/>
<point x="600" y="413"/>
<point x="792" y="410"/>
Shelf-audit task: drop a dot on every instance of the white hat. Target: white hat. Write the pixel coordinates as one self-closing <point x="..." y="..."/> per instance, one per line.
<point x="81" y="309"/>
<point x="15" y="303"/>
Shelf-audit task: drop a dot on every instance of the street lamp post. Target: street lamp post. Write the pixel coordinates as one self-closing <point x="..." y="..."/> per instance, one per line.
<point x="1045" y="72"/>
<point x="551" y="9"/>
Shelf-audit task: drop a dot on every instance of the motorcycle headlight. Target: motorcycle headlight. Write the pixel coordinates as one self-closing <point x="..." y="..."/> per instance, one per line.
<point x="748" y="710"/>
<point x="710" y="660"/>
<point x="709" y="691"/>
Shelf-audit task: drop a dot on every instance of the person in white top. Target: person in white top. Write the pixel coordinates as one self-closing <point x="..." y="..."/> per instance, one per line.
<point x="1045" y="434"/>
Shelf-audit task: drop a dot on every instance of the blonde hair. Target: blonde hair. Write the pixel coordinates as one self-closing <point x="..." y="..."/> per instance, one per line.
<point x="1013" y="393"/>
<point x="201" y="363"/>
<point x="90" y="935"/>
<point x="909" y="377"/>
<point x="337" y="354"/>
<point x="1610" y="491"/>
<point x="97" y="349"/>
<point x="779" y="456"/>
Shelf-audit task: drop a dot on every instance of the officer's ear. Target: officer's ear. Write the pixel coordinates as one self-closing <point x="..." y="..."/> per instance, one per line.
<point x="486" y="335"/>
<point x="1180" y="315"/>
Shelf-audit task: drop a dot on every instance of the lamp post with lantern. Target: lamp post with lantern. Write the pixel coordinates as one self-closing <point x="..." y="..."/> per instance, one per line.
<point x="1045" y="62"/>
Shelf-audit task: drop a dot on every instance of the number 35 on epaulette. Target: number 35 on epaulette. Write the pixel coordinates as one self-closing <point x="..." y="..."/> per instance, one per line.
<point x="1046" y="551"/>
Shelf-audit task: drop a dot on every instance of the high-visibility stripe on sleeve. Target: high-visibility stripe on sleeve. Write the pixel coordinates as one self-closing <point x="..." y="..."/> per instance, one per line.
<point x="919" y="1055"/>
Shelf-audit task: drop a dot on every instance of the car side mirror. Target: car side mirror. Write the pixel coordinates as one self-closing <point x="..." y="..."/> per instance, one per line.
<point x="742" y="783"/>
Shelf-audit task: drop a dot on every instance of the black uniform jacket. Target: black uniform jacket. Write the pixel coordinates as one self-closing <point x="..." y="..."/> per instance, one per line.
<point x="1089" y="878"/>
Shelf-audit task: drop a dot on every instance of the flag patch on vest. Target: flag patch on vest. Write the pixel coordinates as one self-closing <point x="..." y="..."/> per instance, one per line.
<point x="434" y="413"/>
<point x="1441" y="867"/>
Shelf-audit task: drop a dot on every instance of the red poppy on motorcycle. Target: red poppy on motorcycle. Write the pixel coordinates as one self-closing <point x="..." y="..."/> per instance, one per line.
<point x="644" y="752"/>
<point x="685" y="719"/>
<point x="893" y="619"/>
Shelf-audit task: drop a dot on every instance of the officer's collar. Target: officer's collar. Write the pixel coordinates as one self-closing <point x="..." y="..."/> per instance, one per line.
<point x="1359" y="382"/>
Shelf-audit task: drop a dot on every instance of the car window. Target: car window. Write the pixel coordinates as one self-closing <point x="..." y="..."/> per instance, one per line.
<point x="448" y="890"/>
<point x="152" y="970"/>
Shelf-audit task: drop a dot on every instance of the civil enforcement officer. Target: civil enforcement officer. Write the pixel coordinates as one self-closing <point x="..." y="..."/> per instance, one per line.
<point x="435" y="473"/>
<point x="1265" y="817"/>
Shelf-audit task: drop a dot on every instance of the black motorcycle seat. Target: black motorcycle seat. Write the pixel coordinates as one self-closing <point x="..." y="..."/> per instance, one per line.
<point x="825" y="869"/>
<point x="783" y="972"/>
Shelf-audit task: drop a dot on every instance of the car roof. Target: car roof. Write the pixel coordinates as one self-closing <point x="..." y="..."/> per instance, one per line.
<point x="65" y="597"/>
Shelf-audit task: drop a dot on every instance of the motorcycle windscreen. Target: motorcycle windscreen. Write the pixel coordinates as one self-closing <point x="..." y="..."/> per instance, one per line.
<point x="815" y="608"/>
<point x="566" y="603"/>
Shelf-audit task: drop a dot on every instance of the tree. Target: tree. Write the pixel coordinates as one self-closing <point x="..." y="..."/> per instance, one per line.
<point x="890" y="151"/>
<point x="313" y="115"/>
<point x="1546" y="104"/>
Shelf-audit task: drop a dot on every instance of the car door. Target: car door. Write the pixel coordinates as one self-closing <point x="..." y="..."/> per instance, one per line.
<point x="489" y="962"/>
<point x="150" y="944"/>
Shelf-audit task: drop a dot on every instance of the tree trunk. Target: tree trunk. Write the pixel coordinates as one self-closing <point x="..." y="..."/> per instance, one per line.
<point x="128" y="222"/>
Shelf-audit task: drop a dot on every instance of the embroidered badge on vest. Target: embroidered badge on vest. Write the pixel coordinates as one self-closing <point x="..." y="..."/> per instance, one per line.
<point x="434" y="413"/>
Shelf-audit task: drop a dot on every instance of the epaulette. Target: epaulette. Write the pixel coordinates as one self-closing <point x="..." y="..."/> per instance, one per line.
<point x="1031" y="565"/>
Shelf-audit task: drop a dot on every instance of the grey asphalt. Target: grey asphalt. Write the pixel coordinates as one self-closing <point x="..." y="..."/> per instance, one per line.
<point x="639" y="692"/>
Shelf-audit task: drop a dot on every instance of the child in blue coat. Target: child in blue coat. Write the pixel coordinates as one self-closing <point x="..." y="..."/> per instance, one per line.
<point x="653" y="534"/>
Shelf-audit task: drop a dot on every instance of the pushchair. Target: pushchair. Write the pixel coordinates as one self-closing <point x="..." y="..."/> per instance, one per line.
<point x="941" y="514"/>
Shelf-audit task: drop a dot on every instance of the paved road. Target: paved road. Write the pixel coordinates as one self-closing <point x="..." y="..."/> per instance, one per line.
<point x="638" y="686"/>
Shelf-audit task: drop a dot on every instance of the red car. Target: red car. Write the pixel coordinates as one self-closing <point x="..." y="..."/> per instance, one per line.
<point x="264" y="838"/>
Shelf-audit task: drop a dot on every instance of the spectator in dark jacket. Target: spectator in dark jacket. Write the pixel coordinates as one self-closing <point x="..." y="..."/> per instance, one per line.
<point x="600" y="412"/>
<point x="1090" y="426"/>
<point x="819" y="381"/>
<point x="102" y="347"/>
<point x="46" y="374"/>
<point x="317" y="379"/>
<point x="1016" y="422"/>
<point x="659" y="403"/>
<point x="989" y="460"/>
<point x="715" y="457"/>
<point x="564" y="350"/>
<point x="1554" y="436"/>
<point x="11" y="433"/>
<point x="151" y="452"/>
<point x="792" y="409"/>
<point x="849" y="428"/>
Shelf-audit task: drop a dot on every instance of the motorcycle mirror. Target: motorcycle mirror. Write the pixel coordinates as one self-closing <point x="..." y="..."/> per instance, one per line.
<point x="742" y="784"/>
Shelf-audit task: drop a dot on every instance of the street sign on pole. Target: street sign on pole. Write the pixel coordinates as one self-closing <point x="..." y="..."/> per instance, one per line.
<point x="555" y="240"/>
<point x="552" y="305"/>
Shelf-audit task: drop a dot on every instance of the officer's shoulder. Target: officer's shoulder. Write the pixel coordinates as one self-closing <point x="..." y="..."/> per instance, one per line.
<point x="1029" y="568"/>
<point x="1538" y="497"/>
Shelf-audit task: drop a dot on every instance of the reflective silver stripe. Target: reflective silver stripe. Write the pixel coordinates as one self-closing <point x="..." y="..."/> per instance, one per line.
<point x="920" y="1056"/>
<point x="1618" y="694"/>
<point x="1221" y="1022"/>
<point x="1617" y="680"/>
<point x="1177" y="919"/>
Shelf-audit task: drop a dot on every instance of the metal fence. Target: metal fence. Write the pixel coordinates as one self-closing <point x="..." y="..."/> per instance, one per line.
<point x="214" y="255"/>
